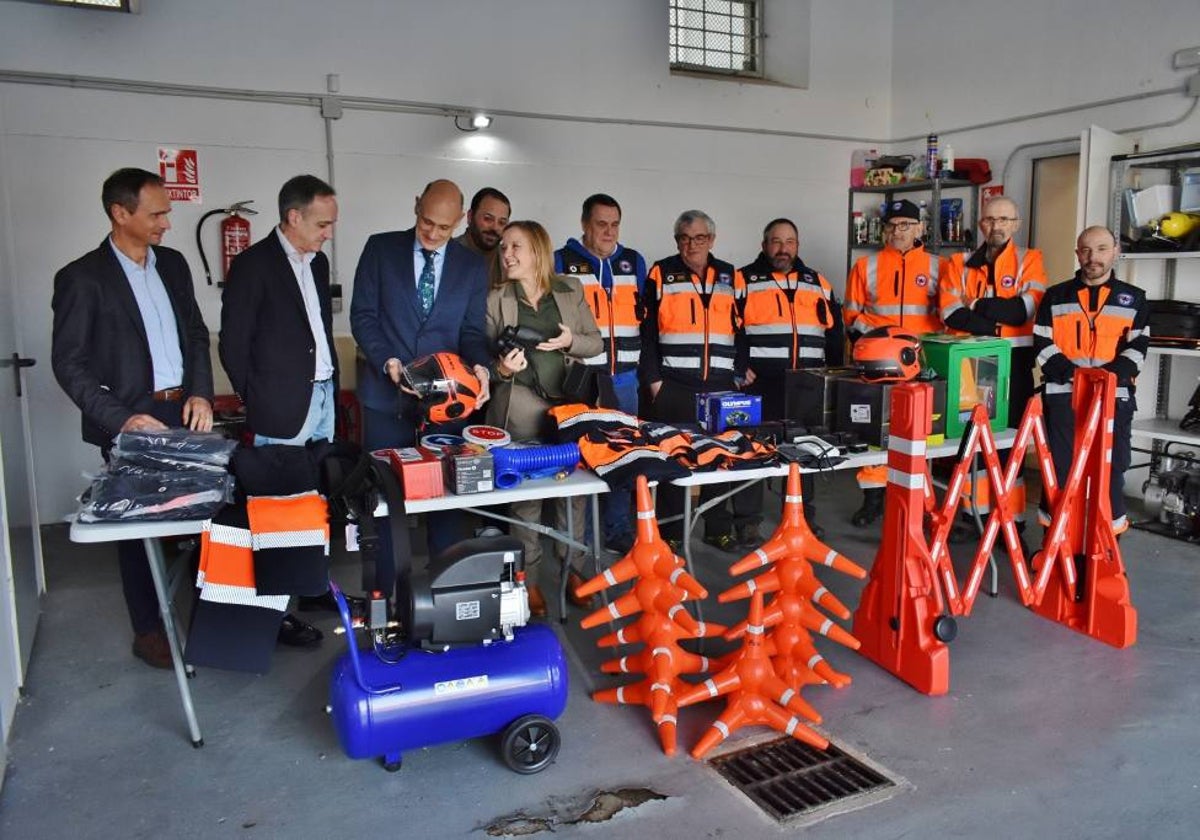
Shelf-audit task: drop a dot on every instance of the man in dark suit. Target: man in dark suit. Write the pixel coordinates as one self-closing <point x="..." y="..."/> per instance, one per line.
<point x="130" y="348"/>
<point x="277" y="335"/>
<point x="417" y="292"/>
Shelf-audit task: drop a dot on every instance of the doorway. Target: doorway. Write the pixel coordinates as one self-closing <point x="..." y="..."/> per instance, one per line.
<point x="1052" y="213"/>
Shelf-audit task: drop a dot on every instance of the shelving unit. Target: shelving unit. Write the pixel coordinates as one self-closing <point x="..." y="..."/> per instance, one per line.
<point x="1164" y="275"/>
<point x="936" y="190"/>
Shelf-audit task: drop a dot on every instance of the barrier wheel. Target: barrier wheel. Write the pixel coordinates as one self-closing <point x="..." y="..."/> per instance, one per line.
<point x="945" y="628"/>
<point x="529" y="744"/>
<point x="392" y="766"/>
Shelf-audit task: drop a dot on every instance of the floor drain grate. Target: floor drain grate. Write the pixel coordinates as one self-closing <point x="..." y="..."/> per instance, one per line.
<point x="790" y="779"/>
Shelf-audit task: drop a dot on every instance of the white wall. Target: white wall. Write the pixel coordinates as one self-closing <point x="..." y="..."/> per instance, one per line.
<point x="1002" y="61"/>
<point x="573" y="57"/>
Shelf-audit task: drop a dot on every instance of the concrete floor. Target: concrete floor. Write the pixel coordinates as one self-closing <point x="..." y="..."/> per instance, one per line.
<point x="1044" y="733"/>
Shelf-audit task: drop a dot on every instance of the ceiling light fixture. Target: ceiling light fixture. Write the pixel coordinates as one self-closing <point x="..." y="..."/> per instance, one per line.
<point x="474" y="122"/>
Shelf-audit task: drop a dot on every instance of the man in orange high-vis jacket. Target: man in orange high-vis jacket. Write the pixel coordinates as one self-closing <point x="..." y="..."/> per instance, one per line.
<point x="995" y="292"/>
<point x="897" y="286"/>
<point x="688" y="347"/>
<point x="790" y="319"/>
<point x="1091" y="320"/>
<point x="614" y="279"/>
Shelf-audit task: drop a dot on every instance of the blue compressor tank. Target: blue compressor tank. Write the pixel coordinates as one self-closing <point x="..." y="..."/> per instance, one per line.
<point x="383" y="708"/>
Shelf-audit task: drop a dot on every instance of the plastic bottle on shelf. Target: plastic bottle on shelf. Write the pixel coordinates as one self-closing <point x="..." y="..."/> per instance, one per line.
<point x="931" y="156"/>
<point x="875" y="229"/>
<point x="860" y="161"/>
<point x="948" y="161"/>
<point x="923" y="207"/>
<point x="860" y="227"/>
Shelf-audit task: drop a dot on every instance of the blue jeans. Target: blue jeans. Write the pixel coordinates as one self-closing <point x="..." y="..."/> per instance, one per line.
<point x="616" y="506"/>
<point x="318" y="424"/>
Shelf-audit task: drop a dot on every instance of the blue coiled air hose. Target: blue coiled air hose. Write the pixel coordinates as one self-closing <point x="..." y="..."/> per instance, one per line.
<point x="513" y="464"/>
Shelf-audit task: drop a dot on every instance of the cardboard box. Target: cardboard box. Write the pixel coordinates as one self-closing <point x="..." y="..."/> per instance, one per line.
<point x="810" y="394"/>
<point x="865" y="409"/>
<point x="721" y="410"/>
<point x="419" y="470"/>
<point x="468" y="468"/>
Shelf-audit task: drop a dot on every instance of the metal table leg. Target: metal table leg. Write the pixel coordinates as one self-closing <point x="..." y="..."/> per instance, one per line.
<point x="158" y="571"/>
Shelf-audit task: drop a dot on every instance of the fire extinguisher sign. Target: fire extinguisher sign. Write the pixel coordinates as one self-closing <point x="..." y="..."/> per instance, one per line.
<point x="180" y="172"/>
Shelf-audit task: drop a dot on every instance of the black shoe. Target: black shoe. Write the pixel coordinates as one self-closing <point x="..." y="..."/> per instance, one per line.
<point x="620" y="543"/>
<point x="724" y="542"/>
<point x="327" y="603"/>
<point x="748" y="537"/>
<point x="296" y="633"/>
<point x="872" y="508"/>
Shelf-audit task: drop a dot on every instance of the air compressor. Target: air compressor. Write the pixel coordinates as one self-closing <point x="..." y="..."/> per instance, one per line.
<point x="464" y="664"/>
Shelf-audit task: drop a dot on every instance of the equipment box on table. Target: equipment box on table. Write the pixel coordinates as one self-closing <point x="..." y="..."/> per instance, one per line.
<point x="419" y="469"/>
<point x="468" y="468"/>
<point x="865" y="409"/>
<point x="810" y="394"/>
<point x="976" y="371"/>
<point x="721" y="410"/>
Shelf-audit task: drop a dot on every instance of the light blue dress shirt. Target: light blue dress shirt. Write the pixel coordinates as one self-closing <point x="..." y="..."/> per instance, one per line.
<point x="158" y="318"/>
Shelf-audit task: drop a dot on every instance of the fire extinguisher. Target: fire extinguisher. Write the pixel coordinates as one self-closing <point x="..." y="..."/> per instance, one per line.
<point x="235" y="235"/>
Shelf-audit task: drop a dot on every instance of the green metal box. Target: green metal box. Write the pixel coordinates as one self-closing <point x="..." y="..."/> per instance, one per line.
<point x="976" y="371"/>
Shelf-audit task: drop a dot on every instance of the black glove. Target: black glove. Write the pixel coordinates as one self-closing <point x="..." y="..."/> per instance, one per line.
<point x="1010" y="311"/>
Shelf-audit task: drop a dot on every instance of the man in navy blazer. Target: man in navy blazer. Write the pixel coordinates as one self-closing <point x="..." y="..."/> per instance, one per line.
<point x="392" y="328"/>
<point x="277" y="322"/>
<point x="130" y="348"/>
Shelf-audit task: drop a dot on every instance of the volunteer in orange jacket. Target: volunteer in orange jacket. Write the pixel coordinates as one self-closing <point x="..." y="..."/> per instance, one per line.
<point x="1091" y="320"/>
<point x="995" y="292"/>
<point x="688" y="347"/>
<point x="896" y="286"/>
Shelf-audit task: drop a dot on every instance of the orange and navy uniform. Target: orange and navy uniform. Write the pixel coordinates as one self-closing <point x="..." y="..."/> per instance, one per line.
<point x="691" y="323"/>
<point x="613" y="287"/>
<point x="1001" y="297"/>
<point x="1104" y="326"/>
<point x="1092" y="326"/>
<point x="789" y="319"/>
<point x="890" y="288"/>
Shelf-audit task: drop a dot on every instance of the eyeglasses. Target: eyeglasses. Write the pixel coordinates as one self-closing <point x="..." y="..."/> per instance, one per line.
<point x="998" y="220"/>
<point x="698" y="239"/>
<point x="902" y="227"/>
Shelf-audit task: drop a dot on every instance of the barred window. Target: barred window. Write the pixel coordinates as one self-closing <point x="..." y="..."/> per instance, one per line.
<point x="716" y="36"/>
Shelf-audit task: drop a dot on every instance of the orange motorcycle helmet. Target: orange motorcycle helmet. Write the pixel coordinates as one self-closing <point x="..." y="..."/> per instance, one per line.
<point x="887" y="354"/>
<point x="447" y="389"/>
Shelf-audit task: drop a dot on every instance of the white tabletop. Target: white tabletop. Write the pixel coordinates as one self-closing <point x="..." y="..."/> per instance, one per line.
<point x="578" y="483"/>
<point x="98" y="532"/>
<point x="1004" y="439"/>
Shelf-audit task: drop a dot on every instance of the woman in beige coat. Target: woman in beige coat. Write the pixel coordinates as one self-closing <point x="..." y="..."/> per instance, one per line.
<point x="525" y="383"/>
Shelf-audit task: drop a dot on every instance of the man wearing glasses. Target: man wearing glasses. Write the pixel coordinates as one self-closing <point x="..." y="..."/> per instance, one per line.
<point x="897" y="286"/>
<point x="996" y="292"/>
<point x="688" y="347"/>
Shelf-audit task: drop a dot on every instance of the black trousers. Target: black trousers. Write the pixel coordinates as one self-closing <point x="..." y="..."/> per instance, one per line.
<point x="677" y="404"/>
<point x="137" y="584"/>
<point x="1060" y="432"/>
<point x="382" y="430"/>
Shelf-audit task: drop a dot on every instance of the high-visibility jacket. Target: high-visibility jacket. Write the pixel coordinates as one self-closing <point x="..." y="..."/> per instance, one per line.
<point x="1092" y="326"/>
<point x="787" y="317"/>
<point x="889" y="288"/>
<point x="691" y="322"/>
<point x="1008" y="291"/>
<point x="612" y="287"/>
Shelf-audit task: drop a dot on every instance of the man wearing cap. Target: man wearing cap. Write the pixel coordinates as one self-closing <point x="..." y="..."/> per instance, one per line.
<point x="897" y="286"/>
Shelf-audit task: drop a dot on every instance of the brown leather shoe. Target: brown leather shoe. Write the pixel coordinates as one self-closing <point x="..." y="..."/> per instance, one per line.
<point x="537" y="601"/>
<point x="584" y="602"/>
<point x="153" y="649"/>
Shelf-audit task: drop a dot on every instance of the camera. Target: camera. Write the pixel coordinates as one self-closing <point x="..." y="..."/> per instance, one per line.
<point x="513" y="337"/>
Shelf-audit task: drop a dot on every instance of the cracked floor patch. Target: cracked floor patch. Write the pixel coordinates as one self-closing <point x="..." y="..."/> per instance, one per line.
<point x="593" y="808"/>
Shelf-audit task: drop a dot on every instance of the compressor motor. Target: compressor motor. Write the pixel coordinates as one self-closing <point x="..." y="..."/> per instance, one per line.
<point x="473" y="592"/>
<point x="1172" y="494"/>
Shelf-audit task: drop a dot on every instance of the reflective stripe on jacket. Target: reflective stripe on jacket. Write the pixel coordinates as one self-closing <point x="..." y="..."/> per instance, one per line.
<point x="893" y="289"/>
